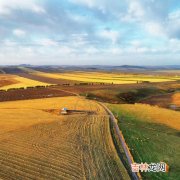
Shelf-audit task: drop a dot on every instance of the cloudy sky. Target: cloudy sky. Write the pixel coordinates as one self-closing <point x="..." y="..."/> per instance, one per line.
<point x="109" y="32"/>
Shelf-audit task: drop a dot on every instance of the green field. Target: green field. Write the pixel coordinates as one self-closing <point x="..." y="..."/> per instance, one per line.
<point x="151" y="140"/>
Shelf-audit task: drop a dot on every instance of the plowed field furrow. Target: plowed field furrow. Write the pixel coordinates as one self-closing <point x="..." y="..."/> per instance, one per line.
<point x="62" y="152"/>
<point x="35" y="168"/>
<point x="6" y="176"/>
<point x="56" y="165"/>
<point x="69" y="147"/>
<point x="56" y="156"/>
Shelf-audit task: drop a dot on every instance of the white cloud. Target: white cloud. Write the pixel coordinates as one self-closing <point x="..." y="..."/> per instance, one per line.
<point x="47" y="42"/>
<point x="143" y="50"/>
<point x="102" y="5"/>
<point x="174" y="45"/>
<point x="7" y="42"/>
<point x="174" y="15"/>
<point x="91" y="50"/>
<point x="136" y="43"/>
<point x="77" y="18"/>
<point x="110" y="35"/>
<point x="65" y="50"/>
<point x="152" y="18"/>
<point x="38" y="9"/>
<point x="78" y="40"/>
<point x="155" y="28"/>
<point x="135" y="12"/>
<point x="173" y="24"/>
<point x="7" y="6"/>
<point x="95" y="32"/>
<point x="115" y="51"/>
<point x="19" y="32"/>
<point x="90" y="3"/>
<point x="136" y="9"/>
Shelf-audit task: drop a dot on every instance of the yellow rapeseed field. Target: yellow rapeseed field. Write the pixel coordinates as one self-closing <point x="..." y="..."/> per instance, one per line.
<point x="99" y="77"/>
<point x="22" y="82"/>
<point x="36" y="142"/>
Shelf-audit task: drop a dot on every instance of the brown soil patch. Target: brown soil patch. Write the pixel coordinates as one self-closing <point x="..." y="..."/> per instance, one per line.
<point x="163" y="100"/>
<point x="34" y="93"/>
<point x="7" y="80"/>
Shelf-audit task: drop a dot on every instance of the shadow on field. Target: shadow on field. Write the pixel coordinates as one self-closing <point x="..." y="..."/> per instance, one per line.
<point x="70" y="112"/>
<point x="81" y="112"/>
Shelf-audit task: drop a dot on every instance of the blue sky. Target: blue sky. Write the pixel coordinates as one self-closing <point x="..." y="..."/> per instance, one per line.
<point x="85" y="32"/>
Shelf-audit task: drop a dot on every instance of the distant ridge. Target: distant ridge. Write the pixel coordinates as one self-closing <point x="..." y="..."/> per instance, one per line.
<point x="60" y="68"/>
<point x="129" y="66"/>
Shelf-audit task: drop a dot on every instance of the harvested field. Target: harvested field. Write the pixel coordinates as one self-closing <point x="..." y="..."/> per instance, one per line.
<point x="34" y="93"/>
<point x="37" y="144"/>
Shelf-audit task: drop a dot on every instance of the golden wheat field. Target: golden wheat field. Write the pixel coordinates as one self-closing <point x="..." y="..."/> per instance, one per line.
<point x="100" y="77"/>
<point x="176" y="99"/>
<point x="18" y="82"/>
<point x="153" y="114"/>
<point x="38" y="143"/>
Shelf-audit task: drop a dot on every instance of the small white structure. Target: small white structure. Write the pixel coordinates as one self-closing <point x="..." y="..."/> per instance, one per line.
<point x="173" y="107"/>
<point x="64" y="111"/>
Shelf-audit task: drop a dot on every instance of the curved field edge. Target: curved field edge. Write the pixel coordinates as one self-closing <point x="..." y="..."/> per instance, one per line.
<point x="21" y="82"/>
<point x="149" y="141"/>
<point x="37" y="142"/>
<point x="120" y="151"/>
